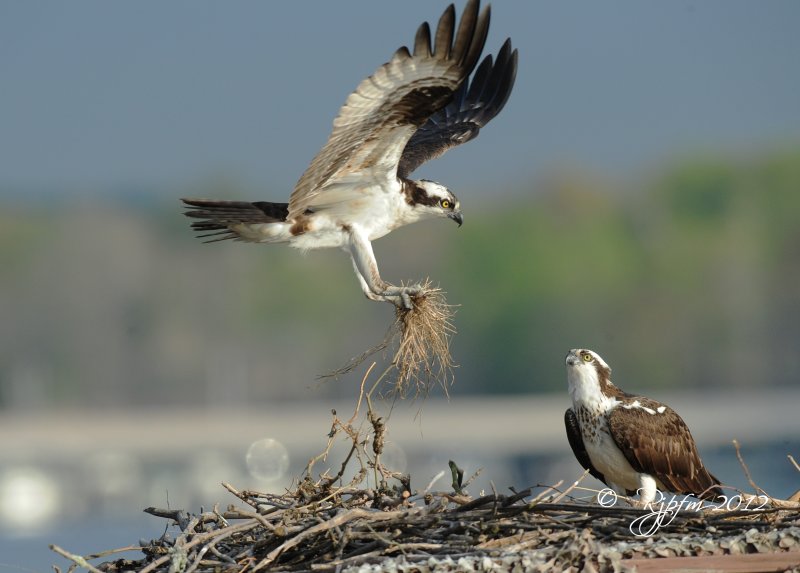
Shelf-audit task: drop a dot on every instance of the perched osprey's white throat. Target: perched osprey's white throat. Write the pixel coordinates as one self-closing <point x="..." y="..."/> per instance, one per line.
<point x="584" y="371"/>
<point x="358" y="187"/>
<point x="630" y="443"/>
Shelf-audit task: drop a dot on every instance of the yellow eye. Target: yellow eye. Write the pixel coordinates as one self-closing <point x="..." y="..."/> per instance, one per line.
<point x="587" y="357"/>
<point x="445" y="203"/>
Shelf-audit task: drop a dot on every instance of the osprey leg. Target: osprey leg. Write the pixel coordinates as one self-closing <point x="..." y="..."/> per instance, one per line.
<point x="374" y="287"/>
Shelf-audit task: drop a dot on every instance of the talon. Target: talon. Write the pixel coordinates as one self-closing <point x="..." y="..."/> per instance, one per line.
<point x="401" y="297"/>
<point x="406" y="298"/>
<point x="415" y="290"/>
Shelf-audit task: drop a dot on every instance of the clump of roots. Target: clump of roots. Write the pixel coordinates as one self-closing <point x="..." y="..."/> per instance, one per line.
<point x="421" y="336"/>
<point x="423" y="352"/>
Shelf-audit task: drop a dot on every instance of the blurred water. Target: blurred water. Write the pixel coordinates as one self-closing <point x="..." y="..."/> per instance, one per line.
<point x="30" y="552"/>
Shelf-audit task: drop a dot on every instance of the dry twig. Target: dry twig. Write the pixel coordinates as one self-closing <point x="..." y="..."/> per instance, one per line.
<point x="746" y="469"/>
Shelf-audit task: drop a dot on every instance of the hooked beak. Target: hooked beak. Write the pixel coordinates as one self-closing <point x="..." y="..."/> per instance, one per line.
<point x="457" y="217"/>
<point x="571" y="359"/>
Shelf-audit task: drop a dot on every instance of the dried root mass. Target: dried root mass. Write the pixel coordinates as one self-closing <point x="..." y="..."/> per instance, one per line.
<point x="420" y="341"/>
<point x="423" y="353"/>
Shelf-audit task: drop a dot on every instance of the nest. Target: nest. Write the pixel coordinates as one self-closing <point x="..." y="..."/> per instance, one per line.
<point x="318" y="529"/>
<point x="420" y="337"/>
<point x="376" y="521"/>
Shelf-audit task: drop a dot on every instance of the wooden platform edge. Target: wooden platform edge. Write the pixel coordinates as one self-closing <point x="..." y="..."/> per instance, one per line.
<point x="743" y="563"/>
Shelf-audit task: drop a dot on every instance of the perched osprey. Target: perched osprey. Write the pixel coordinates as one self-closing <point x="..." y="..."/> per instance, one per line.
<point x="630" y="442"/>
<point x="357" y="188"/>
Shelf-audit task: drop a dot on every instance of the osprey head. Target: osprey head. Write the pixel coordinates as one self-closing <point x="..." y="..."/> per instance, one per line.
<point x="587" y="373"/>
<point x="434" y="199"/>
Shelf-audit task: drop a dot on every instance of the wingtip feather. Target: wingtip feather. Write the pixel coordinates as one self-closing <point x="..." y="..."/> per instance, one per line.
<point x="466" y="31"/>
<point x="479" y="35"/>
<point x="422" y="41"/>
<point x="444" y="33"/>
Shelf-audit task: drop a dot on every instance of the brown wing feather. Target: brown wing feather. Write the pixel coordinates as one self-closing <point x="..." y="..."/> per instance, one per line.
<point x="661" y="446"/>
<point x="474" y="105"/>
<point x="380" y="116"/>
<point x="576" y="443"/>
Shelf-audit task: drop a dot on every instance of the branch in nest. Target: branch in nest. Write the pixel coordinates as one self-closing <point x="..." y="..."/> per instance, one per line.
<point x="353" y="430"/>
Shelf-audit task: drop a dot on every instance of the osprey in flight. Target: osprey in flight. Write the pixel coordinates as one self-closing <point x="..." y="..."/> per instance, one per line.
<point x="630" y="442"/>
<point x="357" y="189"/>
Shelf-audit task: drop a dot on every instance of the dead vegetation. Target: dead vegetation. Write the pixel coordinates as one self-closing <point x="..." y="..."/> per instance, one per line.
<point x="423" y="352"/>
<point x="319" y="529"/>
<point x="420" y="341"/>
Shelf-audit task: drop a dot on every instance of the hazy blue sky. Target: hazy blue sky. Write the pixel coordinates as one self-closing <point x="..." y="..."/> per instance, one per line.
<point x="99" y="95"/>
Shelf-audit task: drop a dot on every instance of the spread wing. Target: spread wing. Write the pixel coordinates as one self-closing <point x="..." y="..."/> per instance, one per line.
<point x="661" y="445"/>
<point x="576" y="443"/>
<point x="384" y="111"/>
<point x="474" y="105"/>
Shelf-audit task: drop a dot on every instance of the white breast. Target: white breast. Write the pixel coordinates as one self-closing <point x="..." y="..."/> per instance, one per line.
<point x="377" y="208"/>
<point x="609" y="459"/>
<point x="591" y="407"/>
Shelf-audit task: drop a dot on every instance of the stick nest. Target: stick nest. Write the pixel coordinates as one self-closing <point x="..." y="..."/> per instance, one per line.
<point x="330" y="524"/>
<point x="348" y="529"/>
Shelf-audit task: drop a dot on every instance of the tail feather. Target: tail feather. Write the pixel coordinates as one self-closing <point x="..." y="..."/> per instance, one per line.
<point x="703" y="485"/>
<point x="217" y="217"/>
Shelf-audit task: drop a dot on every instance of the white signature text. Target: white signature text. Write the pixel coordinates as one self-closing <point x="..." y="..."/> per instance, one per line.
<point x="663" y="511"/>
